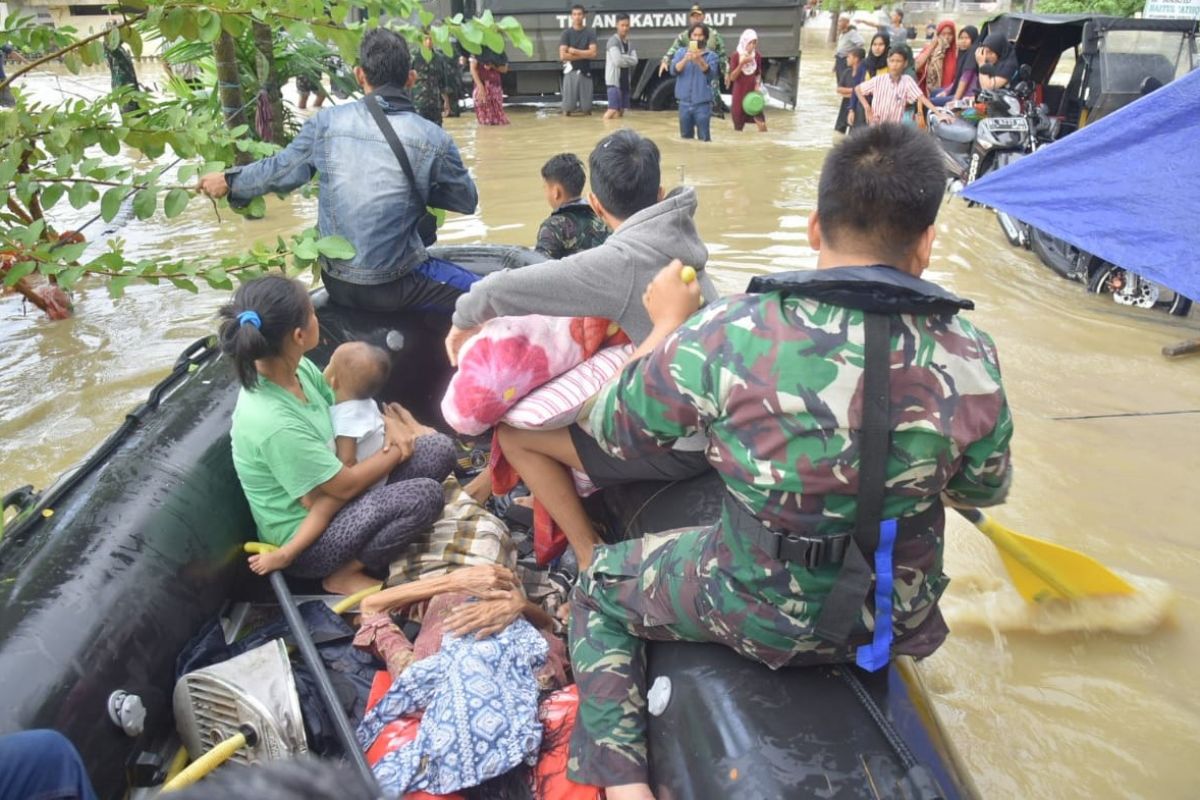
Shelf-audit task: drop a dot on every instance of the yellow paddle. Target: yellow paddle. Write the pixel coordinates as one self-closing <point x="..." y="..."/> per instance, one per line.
<point x="1043" y="570"/>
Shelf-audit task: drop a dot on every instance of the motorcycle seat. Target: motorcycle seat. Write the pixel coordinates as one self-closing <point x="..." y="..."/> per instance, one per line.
<point x="958" y="131"/>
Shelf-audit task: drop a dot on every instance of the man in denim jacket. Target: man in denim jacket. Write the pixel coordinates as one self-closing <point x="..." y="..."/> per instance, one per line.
<point x="364" y="194"/>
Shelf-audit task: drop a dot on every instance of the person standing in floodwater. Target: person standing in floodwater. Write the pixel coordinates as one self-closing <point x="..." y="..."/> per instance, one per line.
<point x="366" y="195"/>
<point x="693" y="67"/>
<point x="620" y="59"/>
<point x="576" y="49"/>
<point x="745" y="76"/>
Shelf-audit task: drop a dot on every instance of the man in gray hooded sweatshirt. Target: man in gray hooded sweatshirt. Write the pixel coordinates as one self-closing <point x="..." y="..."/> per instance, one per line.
<point x="607" y="281"/>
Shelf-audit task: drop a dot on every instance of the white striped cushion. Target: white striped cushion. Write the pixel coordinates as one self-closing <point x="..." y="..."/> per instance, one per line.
<point x="556" y="403"/>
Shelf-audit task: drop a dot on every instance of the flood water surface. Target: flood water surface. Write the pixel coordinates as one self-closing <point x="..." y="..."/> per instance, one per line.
<point x="1062" y="715"/>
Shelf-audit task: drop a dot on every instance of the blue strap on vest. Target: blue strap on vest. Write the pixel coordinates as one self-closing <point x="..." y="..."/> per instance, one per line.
<point x="875" y="655"/>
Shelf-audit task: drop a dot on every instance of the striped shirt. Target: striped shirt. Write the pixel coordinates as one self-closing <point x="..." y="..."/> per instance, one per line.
<point x="889" y="97"/>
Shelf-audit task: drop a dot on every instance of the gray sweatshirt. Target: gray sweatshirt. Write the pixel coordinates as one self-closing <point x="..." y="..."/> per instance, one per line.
<point x="606" y="281"/>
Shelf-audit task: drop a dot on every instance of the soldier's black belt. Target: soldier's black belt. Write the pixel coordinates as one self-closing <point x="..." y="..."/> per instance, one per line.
<point x="811" y="551"/>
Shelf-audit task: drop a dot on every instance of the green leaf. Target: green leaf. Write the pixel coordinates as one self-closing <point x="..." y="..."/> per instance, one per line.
<point x="81" y="194"/>
<point x="175" y="202"/>
<point x="68" y="277"/>
<point x="493" y="41"/>
<point x="18" y="271"/>
<point x="51" y="195"/>
<point x="335" y="247"/>
<point x="8" y="168"/>
<point x="109" y="142"/>
<point x="257" y="209"/>
<point x="509" y="24"/>
<point x="70" y="252"/>
<point x="472" y="33"/>
<point x="209" y="24"/>
<point x="521" y="42"/>
<point x="306" y="249"/>
<point x="172" y="23"/>
<point x="116" y="287"/>
<point x="73" y="62"/>
<point x="425" y="17"/>
<point x="144" y="203"/>
<point x="134" y="39"/>
<point x="184" y="283"/>
<point x="110" y="203"/>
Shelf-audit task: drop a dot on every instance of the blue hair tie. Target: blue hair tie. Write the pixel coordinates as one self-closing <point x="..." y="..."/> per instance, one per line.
<point x="251" y="317"/>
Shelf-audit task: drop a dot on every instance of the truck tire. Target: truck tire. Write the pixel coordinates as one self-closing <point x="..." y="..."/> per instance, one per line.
<point x="662" y="96"/>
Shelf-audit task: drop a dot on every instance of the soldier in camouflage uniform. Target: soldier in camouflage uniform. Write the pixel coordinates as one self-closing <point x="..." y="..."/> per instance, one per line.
<point x="775" y="378"/>
<point x="435" y="79"/>
<point x="572" y="226"/>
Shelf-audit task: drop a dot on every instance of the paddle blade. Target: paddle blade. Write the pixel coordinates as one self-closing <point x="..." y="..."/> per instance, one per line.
<point x="1042" y="570"/>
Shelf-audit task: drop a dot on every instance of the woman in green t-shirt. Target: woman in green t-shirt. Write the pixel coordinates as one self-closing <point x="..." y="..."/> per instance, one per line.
<point x="325" y="516"/>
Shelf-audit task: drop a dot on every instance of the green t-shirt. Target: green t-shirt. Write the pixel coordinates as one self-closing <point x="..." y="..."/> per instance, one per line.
<point x="282" y="449"/>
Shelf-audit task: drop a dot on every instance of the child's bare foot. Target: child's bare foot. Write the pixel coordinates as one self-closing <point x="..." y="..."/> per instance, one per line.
<point x="348" y="579"/>
<point x="264" y="563"/>
<point x="629" y="791"/>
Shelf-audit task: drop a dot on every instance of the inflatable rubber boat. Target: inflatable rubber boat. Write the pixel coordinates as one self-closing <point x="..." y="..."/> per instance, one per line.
<point x="108" y="574"/>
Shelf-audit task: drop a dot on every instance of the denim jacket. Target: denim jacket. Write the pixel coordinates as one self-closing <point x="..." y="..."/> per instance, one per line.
<point x="692" y="85"/>
<point x="364" y="194"/>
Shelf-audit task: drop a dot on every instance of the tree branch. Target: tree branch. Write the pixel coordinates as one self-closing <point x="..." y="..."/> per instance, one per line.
<point x="73" y="46"/>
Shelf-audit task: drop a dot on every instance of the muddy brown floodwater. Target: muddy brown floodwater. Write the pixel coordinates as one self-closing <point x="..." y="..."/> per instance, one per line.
<point x="1063" y="715"/>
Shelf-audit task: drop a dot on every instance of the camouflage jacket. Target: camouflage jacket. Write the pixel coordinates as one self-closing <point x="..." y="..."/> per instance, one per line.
<point x="433" y="80"/>
<point x="775" y="382"/>
<point x="716" y="44"/>
<point x="572" y="227"/>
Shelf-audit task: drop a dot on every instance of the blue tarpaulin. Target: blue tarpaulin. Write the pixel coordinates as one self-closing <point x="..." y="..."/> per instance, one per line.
<point x="1125" y="188"/>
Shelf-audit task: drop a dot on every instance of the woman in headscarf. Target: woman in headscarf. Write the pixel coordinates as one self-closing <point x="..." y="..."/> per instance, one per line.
<point x="997" y="62"/>
<point x="966" y="71"/>
<point x="745" y="76"/>
<point x="937" y="63"/>
<point x="877" y="53"/>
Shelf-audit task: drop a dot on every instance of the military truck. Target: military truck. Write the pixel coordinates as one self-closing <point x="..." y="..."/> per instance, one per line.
<point x="654" y="26"/>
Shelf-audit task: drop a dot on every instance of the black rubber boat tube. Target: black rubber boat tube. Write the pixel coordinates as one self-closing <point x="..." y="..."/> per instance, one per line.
<point x="312" y="658"/>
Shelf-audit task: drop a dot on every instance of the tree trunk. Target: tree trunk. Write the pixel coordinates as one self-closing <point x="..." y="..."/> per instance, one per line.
<point x="835" y="9"/>
<point x="229" y="85"/>
<point x="264" y="43"/>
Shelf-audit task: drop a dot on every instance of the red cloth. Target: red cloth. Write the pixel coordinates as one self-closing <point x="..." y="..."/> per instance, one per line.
<point x="950" y="65"/>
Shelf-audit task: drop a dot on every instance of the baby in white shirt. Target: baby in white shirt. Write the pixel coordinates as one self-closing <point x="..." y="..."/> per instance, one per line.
<point x="357" y="372"/>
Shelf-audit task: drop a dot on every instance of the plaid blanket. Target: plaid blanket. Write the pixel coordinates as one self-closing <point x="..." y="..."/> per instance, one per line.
<point x="466" y="535"/>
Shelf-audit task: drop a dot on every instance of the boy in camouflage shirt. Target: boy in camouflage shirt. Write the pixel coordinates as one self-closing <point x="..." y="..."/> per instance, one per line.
<point x="775" y="379"/>
<point x="573" y="225"/>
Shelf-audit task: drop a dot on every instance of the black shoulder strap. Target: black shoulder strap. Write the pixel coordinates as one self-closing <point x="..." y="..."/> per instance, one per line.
<point x="393" y="141"/>
<point x="843" y="606"/>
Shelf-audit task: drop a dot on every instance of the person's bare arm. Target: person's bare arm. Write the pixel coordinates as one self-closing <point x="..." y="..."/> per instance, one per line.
<point x="486" y="582"/>
<point x="564" y="53"/>
<point x="346" y="449"/>
<point x="491" y="616"/>
<point x="320" y="513"/>
<point x="862" y="99"/>
<point x="350" y="482"/>
<point x="475" y="73"/>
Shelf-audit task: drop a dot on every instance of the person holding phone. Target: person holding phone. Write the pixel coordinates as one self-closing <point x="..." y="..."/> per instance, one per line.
<point x="693" y="68"/>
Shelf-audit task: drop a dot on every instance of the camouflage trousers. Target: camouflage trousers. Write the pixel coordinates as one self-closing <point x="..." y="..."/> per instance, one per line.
<point x="704" y="585"/>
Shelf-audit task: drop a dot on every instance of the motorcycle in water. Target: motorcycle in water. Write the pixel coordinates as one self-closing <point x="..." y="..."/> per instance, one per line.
<point x="1014" y="127"/>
